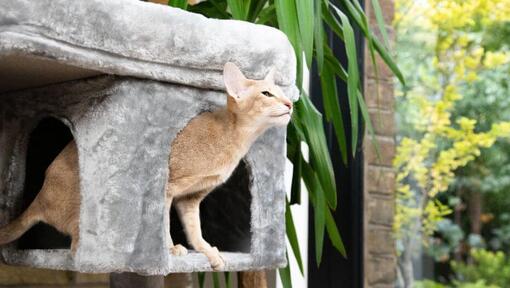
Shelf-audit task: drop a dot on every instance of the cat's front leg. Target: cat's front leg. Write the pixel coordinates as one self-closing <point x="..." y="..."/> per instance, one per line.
<point x="189" y="213"/>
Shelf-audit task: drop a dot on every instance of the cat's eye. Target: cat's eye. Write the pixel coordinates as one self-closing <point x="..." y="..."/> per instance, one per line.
<point x="267" y="93"/>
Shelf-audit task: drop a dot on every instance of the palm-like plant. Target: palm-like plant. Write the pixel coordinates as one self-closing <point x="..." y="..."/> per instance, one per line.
<point x="305" y="23"/>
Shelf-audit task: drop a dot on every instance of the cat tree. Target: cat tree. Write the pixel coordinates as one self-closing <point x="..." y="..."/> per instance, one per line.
<point x="124" y="77"/>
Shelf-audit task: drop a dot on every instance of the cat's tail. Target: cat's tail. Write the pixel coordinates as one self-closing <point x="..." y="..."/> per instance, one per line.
<point x="20" y="225"/>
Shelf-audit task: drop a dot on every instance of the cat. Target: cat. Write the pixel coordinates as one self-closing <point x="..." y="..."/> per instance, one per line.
<point x="203" y="155"/>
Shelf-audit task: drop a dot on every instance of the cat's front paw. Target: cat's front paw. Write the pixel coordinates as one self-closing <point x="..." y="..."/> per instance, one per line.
<point x="178" y="250"/>
<point x="215" y="259"/>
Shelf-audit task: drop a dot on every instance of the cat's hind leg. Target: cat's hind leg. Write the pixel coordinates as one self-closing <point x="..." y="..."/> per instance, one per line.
<point x="189" y="212"/>
<point x="176" y="250"/>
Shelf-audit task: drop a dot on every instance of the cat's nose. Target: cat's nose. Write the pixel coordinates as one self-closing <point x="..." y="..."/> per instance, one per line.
<point x="288" y="104"/>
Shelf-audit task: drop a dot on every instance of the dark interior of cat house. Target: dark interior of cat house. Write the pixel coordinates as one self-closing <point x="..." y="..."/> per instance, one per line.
<point x="45" y="142"/>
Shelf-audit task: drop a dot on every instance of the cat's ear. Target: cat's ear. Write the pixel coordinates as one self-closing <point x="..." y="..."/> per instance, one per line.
<point x="270" y="76"/>
<point x="235" y="82"/>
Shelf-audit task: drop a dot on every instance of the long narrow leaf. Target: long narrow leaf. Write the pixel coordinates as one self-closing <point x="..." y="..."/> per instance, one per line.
<point x="183" y="4"/>
<point x="319" y="35"/>
<point x="201" y="279"/>
<point x="319" y="206"/>
<point x="313" y="129"/>
<point x="366" y="31"/>
<point x="368" y="123"/>
<point x="292" y="236"/>
<point x="333" y="234"/>
<point x="285" y="274"/>
<point x="294" y="155"/>
<point x="216" y="280"/>
<point x="255" y="9"/>
<point x="332" y="108"/>
<point x="228" y="279"/>
<point x="334" y="64"/>
<point x="266" y="15"/>
<point x="353" y="74"/>
<point x="380" y="22"/>
<point x="319" y="225"/>
<point x="305" y="13"/>
<point x="288" y="22"/>
<point x="237" y="8"/>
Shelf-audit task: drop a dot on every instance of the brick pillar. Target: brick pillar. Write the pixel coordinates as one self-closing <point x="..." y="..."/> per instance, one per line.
<point x="379" y="177"/>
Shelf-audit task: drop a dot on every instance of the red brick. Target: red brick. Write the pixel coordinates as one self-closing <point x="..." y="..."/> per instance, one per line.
<point x="386" y="148"/>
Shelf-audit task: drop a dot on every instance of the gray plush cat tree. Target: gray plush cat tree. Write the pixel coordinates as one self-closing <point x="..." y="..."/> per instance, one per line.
<point x="125" y="77"/>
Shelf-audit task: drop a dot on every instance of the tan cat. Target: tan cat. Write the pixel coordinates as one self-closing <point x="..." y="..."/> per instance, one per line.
<point x="204" y="155"/>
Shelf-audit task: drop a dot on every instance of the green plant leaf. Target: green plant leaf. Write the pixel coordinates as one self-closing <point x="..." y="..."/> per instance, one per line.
<point x="228" y="279"/>
<point x="333" y="233"/>
<point x="319" y="224"/>
<point x="311" y="123"/>
<point x="320" y="40"/>
<point x="332" y="108"/>
<point x="239" y="8"/>
<point x="212" y="9"/>
<point x="294" y="155"/>
<point x="319" y="206"/>
<point x="380" y="22"/>
<point x="266" y="15"/>
<point x="201" y="279"/>
<point x="353" y="74"/>
<point x="335" y="27"/>
<point x="368" y="124"/>
<point x="334" y="64"/>
<point x="216" y="280"/>
<point x="292" y="236"/>
<point x="254" y="9"/>
<point x="305" y="13"/>
<point x="288" y="22"/>
<point x="285" y="274"/>
<point x="183" y="4"/>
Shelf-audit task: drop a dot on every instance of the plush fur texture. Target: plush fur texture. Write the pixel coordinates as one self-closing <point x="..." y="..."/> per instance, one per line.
<point x="145" y="40"/>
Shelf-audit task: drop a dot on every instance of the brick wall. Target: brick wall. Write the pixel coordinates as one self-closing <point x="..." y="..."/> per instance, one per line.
<point x="379" y="177"/>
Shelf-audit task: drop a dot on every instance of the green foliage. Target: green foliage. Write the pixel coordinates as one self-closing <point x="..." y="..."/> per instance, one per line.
<point x="432" y="284"/>
<point x="303" y="22"/>
<point x="453" y="75"/>
<point x="183" y="4"/>
<point x="428" y="284"/>
<point x="488" y="270"/>
<point x="438" y="142"/>
<point x="491" y="267"/>
<point x="449" y="236"/>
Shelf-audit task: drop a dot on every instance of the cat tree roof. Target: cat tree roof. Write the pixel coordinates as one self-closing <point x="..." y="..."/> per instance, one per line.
<point x="48" y="41"/>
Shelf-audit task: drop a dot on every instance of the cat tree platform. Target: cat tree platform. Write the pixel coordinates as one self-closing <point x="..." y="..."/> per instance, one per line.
<point x="122" y="78"/>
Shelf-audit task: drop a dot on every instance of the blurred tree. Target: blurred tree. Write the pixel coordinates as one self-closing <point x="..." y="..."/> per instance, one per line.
<point x="440" y="45"/>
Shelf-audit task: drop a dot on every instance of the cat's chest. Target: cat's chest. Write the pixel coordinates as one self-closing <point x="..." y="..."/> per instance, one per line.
<point x="225" y="169"/>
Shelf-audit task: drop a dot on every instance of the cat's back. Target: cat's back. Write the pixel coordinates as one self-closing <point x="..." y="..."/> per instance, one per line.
<point x="205" y="144"/>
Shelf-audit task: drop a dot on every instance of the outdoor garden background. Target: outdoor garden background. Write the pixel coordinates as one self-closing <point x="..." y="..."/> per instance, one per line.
<point x="452" y="223"/>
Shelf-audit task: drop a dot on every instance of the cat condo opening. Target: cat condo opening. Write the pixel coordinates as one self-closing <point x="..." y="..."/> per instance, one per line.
<point x="45" y="142"/>
<point x="123" y="86"/>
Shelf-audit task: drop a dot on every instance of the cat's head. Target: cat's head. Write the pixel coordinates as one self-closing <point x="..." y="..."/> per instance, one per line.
<point x="260" y="101"/>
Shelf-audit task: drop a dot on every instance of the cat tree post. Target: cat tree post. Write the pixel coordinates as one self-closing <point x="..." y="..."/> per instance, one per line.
<point x="133" y="280"/>
<point x="124" y="77"/>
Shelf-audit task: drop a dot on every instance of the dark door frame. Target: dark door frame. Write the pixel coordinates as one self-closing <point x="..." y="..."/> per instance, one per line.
<point x="336" y="271"/>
